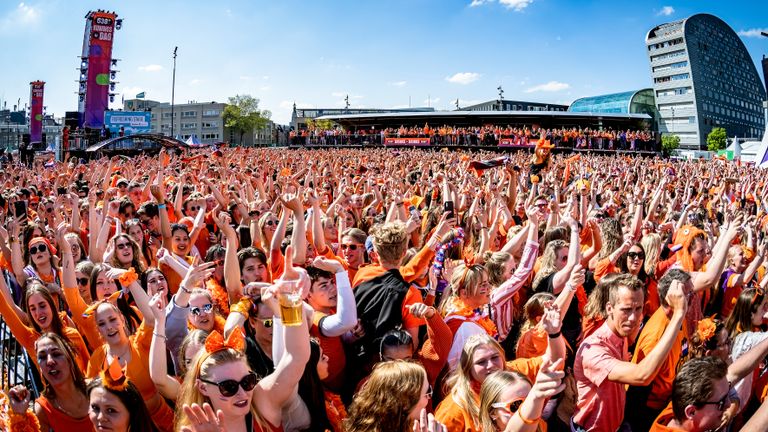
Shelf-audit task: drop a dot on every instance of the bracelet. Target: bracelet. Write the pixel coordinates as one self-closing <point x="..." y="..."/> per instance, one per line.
<point x="183" y="288"/>
<point x="570" y="287"/>
<point x="555" y="335"/>
<point x="159" y="335"/>
<point x="525" y="420"/>
<point x="161" y="206"/>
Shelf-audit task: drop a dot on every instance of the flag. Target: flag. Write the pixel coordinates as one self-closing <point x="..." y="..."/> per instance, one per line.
<point x="140" y="95"/>
<point x="479" y="166"/>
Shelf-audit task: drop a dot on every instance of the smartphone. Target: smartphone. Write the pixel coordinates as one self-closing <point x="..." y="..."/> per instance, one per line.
<point x="61" y="191"/>
<point x="20" y="209"/>
<point x="414" y="213"/>
<point x="448" y="207"/>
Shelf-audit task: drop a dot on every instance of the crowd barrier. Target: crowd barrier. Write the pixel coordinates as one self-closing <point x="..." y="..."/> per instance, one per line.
<point x="15" y="365"/>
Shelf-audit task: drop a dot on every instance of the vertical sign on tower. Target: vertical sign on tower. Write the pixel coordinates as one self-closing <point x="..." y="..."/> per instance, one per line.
<point x="36" y="111"/>
<point x="100" y="30"/>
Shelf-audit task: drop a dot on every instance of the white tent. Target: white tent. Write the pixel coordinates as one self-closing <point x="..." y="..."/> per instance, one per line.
<point x="193" y="141"/>
<point x="761" y="155"/>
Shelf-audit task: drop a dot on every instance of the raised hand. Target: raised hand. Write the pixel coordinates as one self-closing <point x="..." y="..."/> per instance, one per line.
<point x="203" y="419"/>
<point x="420" y="310"/>
<point x="551" y="321"/>
<point x="427" y="423"/>
<point x="326" y="264"/>
<point x="197" y="273"/>
<point x="549" y="379"/>
<point x="19" y="398"/>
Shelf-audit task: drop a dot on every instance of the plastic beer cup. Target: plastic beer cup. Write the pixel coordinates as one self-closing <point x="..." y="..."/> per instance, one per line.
<point x="291" y="304"/>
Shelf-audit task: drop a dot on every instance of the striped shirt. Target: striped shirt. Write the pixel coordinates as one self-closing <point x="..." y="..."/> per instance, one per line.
<point x="502" y="306"/>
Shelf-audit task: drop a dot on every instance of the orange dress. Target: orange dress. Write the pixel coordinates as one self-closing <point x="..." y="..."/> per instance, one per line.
<point x="137" y="372"/>
<point x="27" y="336"/>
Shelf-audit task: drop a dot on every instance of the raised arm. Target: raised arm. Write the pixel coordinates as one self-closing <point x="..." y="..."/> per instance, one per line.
<point x="158" y="365"/>
<point x="574" y="252"/>
<point x="642" y="373"/>
<point x="345" y="317"/>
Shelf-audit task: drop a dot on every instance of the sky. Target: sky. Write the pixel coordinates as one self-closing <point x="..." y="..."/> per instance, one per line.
<point x="382" y="54"/>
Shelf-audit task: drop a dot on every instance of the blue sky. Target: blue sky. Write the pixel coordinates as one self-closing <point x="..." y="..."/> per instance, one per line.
<point x="380" y="53"/>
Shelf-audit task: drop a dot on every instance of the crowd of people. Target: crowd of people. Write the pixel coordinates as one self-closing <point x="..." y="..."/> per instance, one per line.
<point x="488" y="135"/>
<point x="382" y="290"/>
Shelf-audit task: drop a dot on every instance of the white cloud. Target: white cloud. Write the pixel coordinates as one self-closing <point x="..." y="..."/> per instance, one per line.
<point x="131" y="92"/>
<point x="552" y="86"/>
<point x="246" y="78"/>
<point x="666" y="11"/>
<point x="23" y="16"/>
<point x="398" y="83"/>
<point x="151" y="68"/>
<point x="463" y="78"/>
<point x="516" y="5"/>
<point x="755" y="32"/>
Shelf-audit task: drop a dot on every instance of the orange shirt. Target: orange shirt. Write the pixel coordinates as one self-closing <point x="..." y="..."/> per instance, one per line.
<point x="661" y="386"/>
<point x="174" y="279"/>
<point x="27" y="336"/>
<point x="532" y="343"/>
<point x="62" y="421"/>
<point x="334" y="349"/>
<point x="454" y="417"/>
<point x="604" y="267"/>
<point x="661" y="422"/>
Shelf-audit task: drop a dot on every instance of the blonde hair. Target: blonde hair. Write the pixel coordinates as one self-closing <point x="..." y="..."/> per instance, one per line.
<point x="460" y="380"/>
<point x="465" y="281"/>
<point x="493" y="386"/>
<point x="373" y="410"/>
<point x="190" y="393"/>
<point x="610" y="229"/>
<point x="651" y="244"/>
<point x="390" y="242"/>
<point x="494" y="264"/>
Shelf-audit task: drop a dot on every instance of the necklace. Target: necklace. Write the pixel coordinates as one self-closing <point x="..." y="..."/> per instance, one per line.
<point x="122" y="356"/>
<point x="58" y="406"/>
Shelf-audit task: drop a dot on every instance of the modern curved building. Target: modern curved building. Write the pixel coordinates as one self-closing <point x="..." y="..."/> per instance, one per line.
<point x="704" y="77"/>
<point x="640" y="101"/>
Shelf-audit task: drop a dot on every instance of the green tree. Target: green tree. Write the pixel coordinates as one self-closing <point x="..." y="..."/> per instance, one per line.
<point x="244" y="116"/>
<point x="717" y="139"/>
<point x="669" y="143"/>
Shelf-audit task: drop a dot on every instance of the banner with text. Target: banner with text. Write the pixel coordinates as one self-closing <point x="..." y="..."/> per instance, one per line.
<point x="36" y="90"/>
<point x="406" y="141"/>
<point x="131" y="122"/>
<point x="515" y="142"/>
<point x="100" y="30"/>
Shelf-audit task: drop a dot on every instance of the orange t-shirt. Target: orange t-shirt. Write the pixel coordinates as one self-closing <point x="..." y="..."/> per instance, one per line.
<point x="661" y="386"/>
<point x="532" y="343"/>
<point x="454" y="417"/>
<point x="604" y="267"/>
<point x="174" y="279"/>
<point x="334" y="349"/>
<point x="661" y="422"/>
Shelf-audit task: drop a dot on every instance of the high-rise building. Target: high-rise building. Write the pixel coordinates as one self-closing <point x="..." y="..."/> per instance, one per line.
<point x="704" y="77"/>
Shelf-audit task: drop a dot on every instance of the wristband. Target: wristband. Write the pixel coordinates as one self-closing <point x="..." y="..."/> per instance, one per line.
<point x="128" y="277"/>
<point x="242" y="307"/>
<point x="525" y="420"/>
<point x="160" y="206"/>
<point x="159" y="335"/>
<point x="183" y="288"/>
<point x="555" y="335"/>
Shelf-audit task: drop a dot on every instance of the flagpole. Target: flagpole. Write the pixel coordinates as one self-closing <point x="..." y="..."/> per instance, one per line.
<point x="173" y="88"/>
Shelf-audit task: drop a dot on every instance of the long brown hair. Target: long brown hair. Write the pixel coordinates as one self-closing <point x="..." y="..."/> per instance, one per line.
<point x="75" y="372"/>
<point x="35" y="287"/>
<point x="387" y="398"/>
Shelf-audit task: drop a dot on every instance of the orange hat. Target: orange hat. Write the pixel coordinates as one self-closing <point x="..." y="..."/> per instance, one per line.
<point x="545" y="144"/>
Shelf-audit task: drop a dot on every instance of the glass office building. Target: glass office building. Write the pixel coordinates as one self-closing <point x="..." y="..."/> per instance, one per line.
<point x="703" y="77"/>
<point x="640" y="101"/>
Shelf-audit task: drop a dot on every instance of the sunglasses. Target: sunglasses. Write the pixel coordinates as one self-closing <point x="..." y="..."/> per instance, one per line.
<point x="511" y="407"/>
<point x="194" y="208"/>
<point x="270" y="222"/>
<point x="228" y="388"/>
<point x="635" y="255"/>
<point x="352" y="247"/>
<point x="196" y="311"/>
<point x="266" y="322"/>
<point x="82" y="281"/>
<point x="38" y="248"/>
<point x="428" y="394"/>
<point x="719" y="404"/>
<point x="121" y="246"/>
